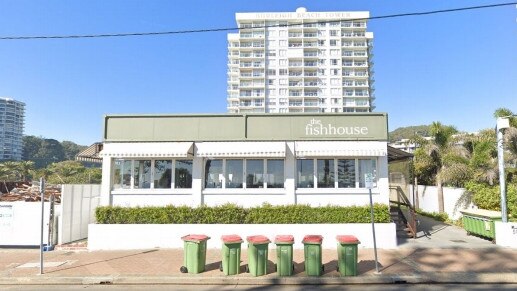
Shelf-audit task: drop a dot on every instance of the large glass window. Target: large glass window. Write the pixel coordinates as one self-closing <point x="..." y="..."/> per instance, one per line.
<point x="183" y="174"/>
<point x="368" y="166"/>
<point x="254" y="173"/>
<point x="346" y="173"/>
<point x="152" y="174"/>
<point x="162" y="174"/>
<point x="305" y="173"/>
<point x="259" y="173"/>
<point x="214" y="174"/>
<point x="325" y="170"/>
<point x="234" y="173"/>
<point x="350" y="172"/>
<point x="122" y="175"/>
<point x="275" y="173"/>
<point x="142" y="174"/>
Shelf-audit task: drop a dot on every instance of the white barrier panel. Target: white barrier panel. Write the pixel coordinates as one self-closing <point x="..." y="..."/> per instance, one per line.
<point x="78" y="204"/>
<point x="506" y="234"/>
<point x="20" y="223"/>
<point x="145" y="236"/>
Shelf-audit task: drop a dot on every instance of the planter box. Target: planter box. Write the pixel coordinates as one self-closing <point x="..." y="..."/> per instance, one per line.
<point x="145" y="236"/>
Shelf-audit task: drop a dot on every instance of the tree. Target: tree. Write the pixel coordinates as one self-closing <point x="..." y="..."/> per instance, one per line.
<point x="11" y="171"/>
<point x="71" y="149"/>
<point x="26" y="169"/>
<point x="442" y="159"/>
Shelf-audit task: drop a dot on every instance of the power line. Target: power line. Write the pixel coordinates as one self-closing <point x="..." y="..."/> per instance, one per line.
<point x="255" y="27"/>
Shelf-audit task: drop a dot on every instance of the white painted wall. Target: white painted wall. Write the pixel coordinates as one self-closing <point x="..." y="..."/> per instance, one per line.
<point x="20" y="223"/>
<point x="145" y="236"/>
<point x="506" y="234"/>
<point x="428" y="200"/>
<point x="78" y="203"/>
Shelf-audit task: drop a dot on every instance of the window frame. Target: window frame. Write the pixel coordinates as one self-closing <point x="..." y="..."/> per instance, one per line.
<point x="152" y="185"/>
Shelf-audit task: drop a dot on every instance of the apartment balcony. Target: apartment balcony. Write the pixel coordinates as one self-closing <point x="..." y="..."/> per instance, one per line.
<point x="296" y="104"/>
<point x="295" y="64"/>
<point x="310" y="94"/>
<point x="310" y="84"/>
<point x="311" y="104"/>
<point x="295" y="34"/>
<point x="310" y="35"/>
<point x="311" y="74"/>
<point x="295" y="44"/>
<point x="310" y="54"/>
<point x="310" y="44"/>
<point x="310" y="64"/>
<point x="296" y="73"/>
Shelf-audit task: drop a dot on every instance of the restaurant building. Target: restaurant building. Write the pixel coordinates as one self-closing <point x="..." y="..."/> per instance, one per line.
<point x="245" y="159"/>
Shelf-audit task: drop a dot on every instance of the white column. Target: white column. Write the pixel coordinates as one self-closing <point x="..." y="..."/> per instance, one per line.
<point x="197" y="181"/>
<point x="290" y="173"/>
<point x="107" y="177"/>
<point x="382" y="182"/>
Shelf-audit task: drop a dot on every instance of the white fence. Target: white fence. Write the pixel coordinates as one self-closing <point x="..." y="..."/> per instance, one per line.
<point x="145" y="236"/>
<point x="78" y="203"/>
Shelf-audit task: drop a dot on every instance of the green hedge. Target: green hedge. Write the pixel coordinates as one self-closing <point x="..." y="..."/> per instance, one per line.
<point x="232" y="214"/>
<point x="489" y="197"/>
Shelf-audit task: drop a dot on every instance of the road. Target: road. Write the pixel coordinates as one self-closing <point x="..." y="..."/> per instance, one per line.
<point x="390" y="287"/>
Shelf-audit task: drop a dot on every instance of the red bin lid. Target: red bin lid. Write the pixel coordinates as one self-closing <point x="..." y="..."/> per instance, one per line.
<point x="312" y="238"/>
<point x="195" y="237"/>
<point x="284" y="239"/>
<point x="258" y="239"/>
<point x="347" y="239"/>
<point x="231" y="238"/>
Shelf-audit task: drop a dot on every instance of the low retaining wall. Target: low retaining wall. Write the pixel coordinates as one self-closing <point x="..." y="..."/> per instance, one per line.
<point x="145" y="236"/>
<point x="506" y="234"/>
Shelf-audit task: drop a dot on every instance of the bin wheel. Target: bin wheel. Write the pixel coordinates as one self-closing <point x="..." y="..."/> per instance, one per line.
<point x="183" y="269"/>
<point x="292" y="265"/>
<point x="276" y="267"/>
<point x="322" y="268"/>
<point x="337" y="268"/>
<point x="468" y="233"/>
<point x="221" y="267"/>
<point x="247" y="269"/>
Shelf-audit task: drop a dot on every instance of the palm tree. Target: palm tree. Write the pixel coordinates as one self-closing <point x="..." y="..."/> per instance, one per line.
<point x="442" y="159"/>
<point x="25" y="169"/>
<point x="11" y="170"/>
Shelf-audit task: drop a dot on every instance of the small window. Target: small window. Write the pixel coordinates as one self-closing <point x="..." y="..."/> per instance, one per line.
<point x="254" y="173"/>
<point x="183" y="174"/>
<point x="142" y="174"/>
<point x="305" y="173"/>
<point x="234" y="173"/>
<point x="214" y="173"/>
<point x="275" y="174"/>
<point x="162" y="174"/>
<point x="325" y="170"/>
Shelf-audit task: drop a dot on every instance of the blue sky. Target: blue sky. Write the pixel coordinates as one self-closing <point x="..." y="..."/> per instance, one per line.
<point x="456" y="68"/>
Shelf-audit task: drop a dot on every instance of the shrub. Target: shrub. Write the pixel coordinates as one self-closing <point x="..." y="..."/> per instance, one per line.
<point x="489" y="197"/>
<point x="233" y="214"/>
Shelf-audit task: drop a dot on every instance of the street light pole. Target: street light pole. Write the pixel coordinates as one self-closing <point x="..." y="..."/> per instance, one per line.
<point x="502" y="123"/>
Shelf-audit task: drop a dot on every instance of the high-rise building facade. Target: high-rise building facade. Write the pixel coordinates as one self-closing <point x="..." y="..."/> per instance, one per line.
<point x="12" y="115"/>
<point x="300" y="62"/>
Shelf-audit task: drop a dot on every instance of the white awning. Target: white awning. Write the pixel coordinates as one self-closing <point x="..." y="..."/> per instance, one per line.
<point x="340" y="148"/>
<point x="240" y="149"/>
<point x="147" y="150"/>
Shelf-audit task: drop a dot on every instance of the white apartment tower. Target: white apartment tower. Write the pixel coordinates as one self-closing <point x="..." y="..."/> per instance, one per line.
<point x="301" y="61"/>
<point x="12" y="115"/>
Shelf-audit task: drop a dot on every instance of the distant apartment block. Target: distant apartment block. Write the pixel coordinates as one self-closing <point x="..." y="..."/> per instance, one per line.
<point x="12" y="115"/>
<point x="301" y="61"/>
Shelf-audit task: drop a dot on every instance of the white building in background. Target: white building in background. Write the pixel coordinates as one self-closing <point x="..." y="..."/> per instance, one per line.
<point x="301" y="61"/>
<point x="12" y="116"/>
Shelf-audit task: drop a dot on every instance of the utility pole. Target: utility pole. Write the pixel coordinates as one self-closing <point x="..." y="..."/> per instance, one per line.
<point x="502" y="123"/>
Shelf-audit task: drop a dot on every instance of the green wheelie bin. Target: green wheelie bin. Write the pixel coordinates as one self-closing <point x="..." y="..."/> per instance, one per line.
<point x="231" y="250"/>
<point x="257" y="255"/>
<point x="194" y="253"/>
<point x="312" y="253"/>
<point x="347" y="255"/>
<point x="284" y="255"/>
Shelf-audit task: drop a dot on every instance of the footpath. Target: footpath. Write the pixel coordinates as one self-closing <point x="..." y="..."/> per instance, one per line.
<point x="440" y="254"/>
